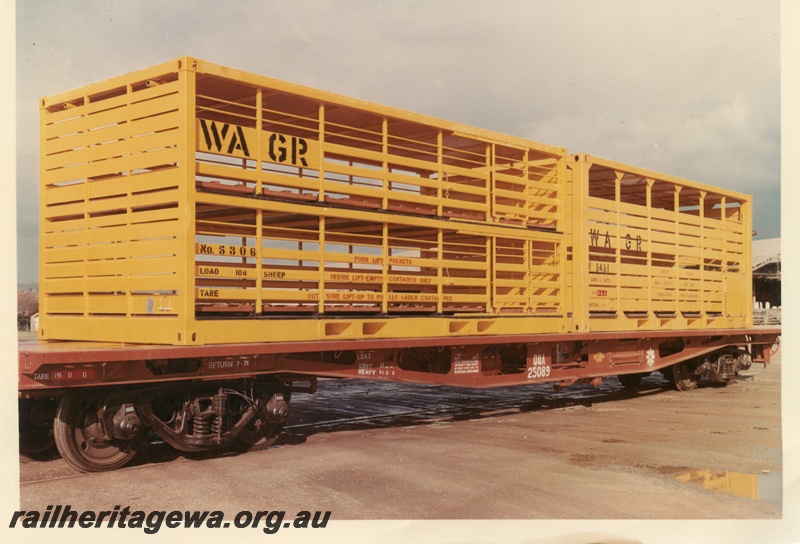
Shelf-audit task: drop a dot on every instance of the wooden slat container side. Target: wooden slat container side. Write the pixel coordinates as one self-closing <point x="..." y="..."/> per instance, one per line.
<point x="657" y="252"/>
<point x="112" y="211"/>
<point x="147" y="178"/>
<point x="433" y="216"/>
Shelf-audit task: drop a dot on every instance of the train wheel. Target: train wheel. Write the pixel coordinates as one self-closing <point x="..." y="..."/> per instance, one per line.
<point x="36" y="445"/>
<point x="78" y="432"/>
<point x="36" y="429"/>
<point x="261" y="432"/>
<point x="683" y="376"/>
<point x="263" y="436"/>
<point x="631" y="381"/>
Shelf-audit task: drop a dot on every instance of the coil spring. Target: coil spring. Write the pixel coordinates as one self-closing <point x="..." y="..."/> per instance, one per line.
<point x="218" y="425"/>
<point x="202" y="426"/>
<point x="219" y="409"/>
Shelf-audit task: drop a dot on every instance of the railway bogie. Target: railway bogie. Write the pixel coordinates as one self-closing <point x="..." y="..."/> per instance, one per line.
<point x="98" y="429"/>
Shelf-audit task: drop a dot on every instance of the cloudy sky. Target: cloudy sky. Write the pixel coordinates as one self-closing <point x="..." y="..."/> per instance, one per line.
<point x="683" y="87"/>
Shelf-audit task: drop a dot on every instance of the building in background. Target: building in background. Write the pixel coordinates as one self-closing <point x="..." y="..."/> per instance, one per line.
<point x="767" y="281"/>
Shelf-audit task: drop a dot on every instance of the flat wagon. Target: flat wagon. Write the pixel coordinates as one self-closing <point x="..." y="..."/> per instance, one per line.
<point x="213" y="240"/>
